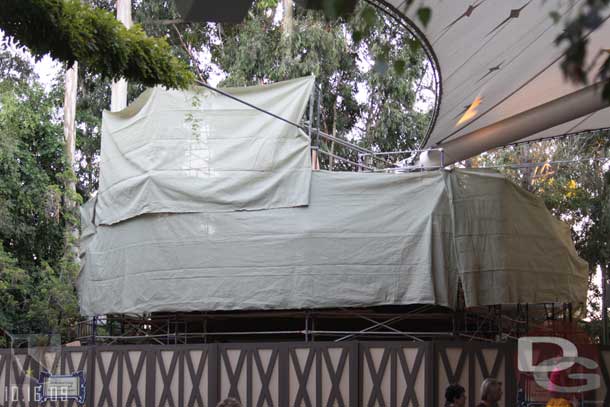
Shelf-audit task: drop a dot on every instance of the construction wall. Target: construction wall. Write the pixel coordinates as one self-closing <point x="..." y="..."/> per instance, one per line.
<point x="274" y="374"/>
<point x="299" y="374"/>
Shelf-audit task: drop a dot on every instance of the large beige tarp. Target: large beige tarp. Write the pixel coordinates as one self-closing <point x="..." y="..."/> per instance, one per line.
<point x="173" y="151"/>
<point x="364" y="240"/>
<point x="509" y="248"/>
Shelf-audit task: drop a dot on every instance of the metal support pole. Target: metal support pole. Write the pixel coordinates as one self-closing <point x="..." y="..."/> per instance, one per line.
<point x="527" y="318"/>
<point x="604" y="338"/>
<point x="499" y="316"/>
<point x="553" y="113"/>
<point x="315" y="149"/>
<point x="205" y="330"/>
<point x="93" y="330"/>
<point x="318" y="116"/>
<point x="310" y="115"/>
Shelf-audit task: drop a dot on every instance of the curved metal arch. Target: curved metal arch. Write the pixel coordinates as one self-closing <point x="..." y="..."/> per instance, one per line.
<point x="412" y="29"/>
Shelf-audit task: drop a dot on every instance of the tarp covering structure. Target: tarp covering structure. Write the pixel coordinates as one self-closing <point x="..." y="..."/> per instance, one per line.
<point x="351" y="239"/>
<point x="173" y="151"/>
<point x="363" y="240"/>
<point x="497" y="58"/>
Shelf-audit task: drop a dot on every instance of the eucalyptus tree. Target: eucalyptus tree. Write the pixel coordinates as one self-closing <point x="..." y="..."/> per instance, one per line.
<point x="37" y="272"/>
<point x="364" y="102"/>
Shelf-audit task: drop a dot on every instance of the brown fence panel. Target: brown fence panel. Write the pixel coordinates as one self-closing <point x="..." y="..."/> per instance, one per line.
<point x="181" y="375"/>
<point x="198" y="367"/>
<point x="75" y="359"/>
<point x="394" y="374"/>
<point x="116" y="376"/>
<point x="320" y="374"/>
<point x="4" y="375"/>
<point x="250" y="373"/>
<point x="20" y="369"/>
<point x="23" y="371"/>
<point x="469" y="364"/>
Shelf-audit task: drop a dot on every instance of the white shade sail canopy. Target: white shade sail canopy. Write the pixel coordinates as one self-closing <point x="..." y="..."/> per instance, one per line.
<point x="498" y="58"/>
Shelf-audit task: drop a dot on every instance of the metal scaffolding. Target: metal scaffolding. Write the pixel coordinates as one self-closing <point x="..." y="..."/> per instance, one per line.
<point x="499" y="323"/>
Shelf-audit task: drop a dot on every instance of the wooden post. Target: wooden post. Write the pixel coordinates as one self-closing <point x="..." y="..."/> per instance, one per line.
<point x="118" y="98"/>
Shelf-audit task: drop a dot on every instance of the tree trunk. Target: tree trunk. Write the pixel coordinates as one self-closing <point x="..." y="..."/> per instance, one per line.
<point x="287" y="17"/>
<point x="118" y="98"/>
<point x="71" y="87"/>
<point x="287" y="29"/>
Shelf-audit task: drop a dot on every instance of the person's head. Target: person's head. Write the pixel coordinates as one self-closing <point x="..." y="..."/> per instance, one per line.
<point x="230" y="402"/>
<point x="456" y="395"/>
<point x="491" y="390"/>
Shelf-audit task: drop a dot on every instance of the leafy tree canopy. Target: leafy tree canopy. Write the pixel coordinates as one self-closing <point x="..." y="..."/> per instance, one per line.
<point x="572" y="175"/>
<point x="71" y="31"/>
<point x="36" y="271"/>
<point x="363" y="102"/>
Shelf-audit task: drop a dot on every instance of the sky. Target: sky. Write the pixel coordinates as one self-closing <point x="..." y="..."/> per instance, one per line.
<point x="47" y="69"/>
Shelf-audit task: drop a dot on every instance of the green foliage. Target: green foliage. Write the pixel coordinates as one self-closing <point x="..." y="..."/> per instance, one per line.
<point x="576" y="192"/>
<point x="37" y="274"/>
<point x="13" y="282"/>
<point x="590" y="16"/>
<point x="258" y="51"/>
<point x="184" y="38"/>
<point x="93" y="97"/>
<point x="424" y="14"/>
<point x="391" y="121"/>
<point x="339" y="53"/>
<point x="71" y="31"/>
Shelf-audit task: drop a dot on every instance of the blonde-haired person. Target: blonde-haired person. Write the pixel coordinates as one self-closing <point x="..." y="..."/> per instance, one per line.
<point x="559" y="402"/>
<point x="230" y="402"/>
<point x="558" y="399"/>
<point x="491" y="393"/>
